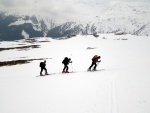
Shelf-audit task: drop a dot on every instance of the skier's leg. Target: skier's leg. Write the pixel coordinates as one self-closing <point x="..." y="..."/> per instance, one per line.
<point x="89" y="69"/>
<point x="95" y="65"/>
<point x="41" y="71"/>
<point x="67" y="69"/>
<point x="64" y="69"/>
<point x="45" y="71"/>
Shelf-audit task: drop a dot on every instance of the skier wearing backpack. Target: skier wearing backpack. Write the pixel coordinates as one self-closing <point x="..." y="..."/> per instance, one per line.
<point x="95" y="59"/>
<point x="43" y="67"/>
<point x="66" y="62"/>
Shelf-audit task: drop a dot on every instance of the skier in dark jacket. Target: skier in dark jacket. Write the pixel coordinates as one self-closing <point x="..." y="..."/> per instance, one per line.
<point x="95" y="59"/>
<point x="43" y="67"/>
<point x="66" y="62"/>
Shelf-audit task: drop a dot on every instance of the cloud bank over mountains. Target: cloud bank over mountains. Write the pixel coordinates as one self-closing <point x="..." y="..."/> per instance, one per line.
<point x="61" y="10"/>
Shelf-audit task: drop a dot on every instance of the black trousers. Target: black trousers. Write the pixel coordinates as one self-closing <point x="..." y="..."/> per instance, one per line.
<point x="43" y="69"/>
<point x="93" y="64"/>
<point x="65" y="67"/>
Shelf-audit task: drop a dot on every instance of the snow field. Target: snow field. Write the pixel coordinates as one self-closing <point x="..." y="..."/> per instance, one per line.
<point x="122" y="85"/>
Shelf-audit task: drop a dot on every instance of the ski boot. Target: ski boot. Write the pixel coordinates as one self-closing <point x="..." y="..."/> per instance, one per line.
<point x="94" y="70"/>
<point x="41" y="74"/>
<point x="67" y="71"/>
<point x="63" y="71"/>
<point x="89" y="70"/>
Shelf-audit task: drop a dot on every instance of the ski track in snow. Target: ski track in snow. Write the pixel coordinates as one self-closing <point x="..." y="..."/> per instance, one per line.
<point x="113" y="94"/>
<point x="110" y="93"/>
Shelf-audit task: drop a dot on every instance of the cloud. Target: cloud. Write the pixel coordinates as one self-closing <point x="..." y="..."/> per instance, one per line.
<point x="62" y="10"/>
<point x="15" y="3"/>
<point x="66" y="9"/>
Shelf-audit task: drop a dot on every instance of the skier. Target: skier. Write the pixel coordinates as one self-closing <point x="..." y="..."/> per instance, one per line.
<point x="95" y="59"/>
<point x="43" y="67"/>
<point x="66" y="62"/>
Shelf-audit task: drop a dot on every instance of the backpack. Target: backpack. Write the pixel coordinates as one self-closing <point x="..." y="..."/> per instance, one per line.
<point x="95" y="56"/>
<point x="65" y="60"/>
<point x="41" y="64"/>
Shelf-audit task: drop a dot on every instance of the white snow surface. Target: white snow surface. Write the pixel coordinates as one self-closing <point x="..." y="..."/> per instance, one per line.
<point x="122" y="85"/>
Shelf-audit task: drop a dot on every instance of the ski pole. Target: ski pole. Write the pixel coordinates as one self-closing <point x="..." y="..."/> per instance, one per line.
<point x="72" y="66"/>
<point x="98" y="62"/>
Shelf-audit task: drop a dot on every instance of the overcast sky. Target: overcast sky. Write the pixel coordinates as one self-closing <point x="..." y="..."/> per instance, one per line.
<point x="62" y="9"/>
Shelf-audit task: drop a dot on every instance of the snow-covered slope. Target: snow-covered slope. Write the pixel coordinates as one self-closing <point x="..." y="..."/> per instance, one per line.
<point x="122" y="85"/>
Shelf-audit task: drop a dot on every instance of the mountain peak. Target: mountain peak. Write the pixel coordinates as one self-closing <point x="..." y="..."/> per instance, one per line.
<point x="128" y="17"/>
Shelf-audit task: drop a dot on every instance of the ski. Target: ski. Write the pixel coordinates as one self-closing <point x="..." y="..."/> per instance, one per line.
<point x="45" y="75"/>
<point x="68" y="73"/>
<point x="54" y="74"/>
<point x="95" y="70"/>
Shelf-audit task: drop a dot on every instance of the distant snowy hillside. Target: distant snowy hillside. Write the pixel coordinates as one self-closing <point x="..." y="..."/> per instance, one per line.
<point x="17" y="26"/>
<point x="133" y="18"/>
<point x="124" y="17"/>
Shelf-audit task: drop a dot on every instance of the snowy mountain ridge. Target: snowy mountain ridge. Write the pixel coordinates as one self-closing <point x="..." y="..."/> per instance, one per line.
<point x="35" y="21"/>
<point x="33" y="25"/>
<point x="123" y="17"/>
<point x="130" y="18"/>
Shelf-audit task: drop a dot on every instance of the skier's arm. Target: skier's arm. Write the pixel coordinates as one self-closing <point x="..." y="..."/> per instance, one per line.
<point x="97" y="60"/>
